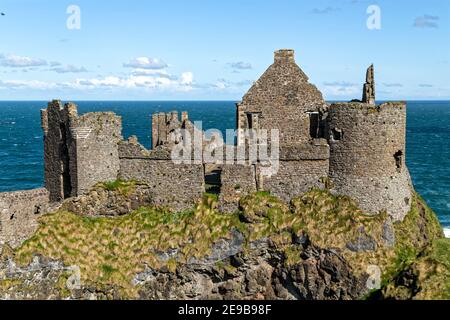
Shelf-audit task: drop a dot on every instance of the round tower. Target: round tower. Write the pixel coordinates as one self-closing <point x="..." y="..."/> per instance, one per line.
<point x="367" y="156"/>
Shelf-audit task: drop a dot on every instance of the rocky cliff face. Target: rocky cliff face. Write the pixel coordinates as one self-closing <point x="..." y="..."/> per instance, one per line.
<point x="319" y="246"/>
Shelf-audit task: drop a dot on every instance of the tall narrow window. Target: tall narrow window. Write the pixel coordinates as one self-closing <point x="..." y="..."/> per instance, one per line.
<point x="253" y="120"/>
<point x="398" y="156"/>
<point x="66" y="185"/>
<point x="314" y="125"/>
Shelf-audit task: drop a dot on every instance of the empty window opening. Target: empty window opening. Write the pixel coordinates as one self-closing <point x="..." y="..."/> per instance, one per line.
<point x="66" y="184"/>
<point x="213" y="181"/>
<point x="398" y="156"/>
<point x="336" y="134"/>
<point x="253" y="120"/>
<point x="314" y="124"/>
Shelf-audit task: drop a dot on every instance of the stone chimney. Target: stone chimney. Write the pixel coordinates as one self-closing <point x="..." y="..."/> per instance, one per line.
<point x="284" y="55"/>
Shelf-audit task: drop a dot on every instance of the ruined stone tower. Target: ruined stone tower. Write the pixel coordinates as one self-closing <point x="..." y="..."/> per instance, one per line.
<point x="367" y="153"/>
<point x="79" y="151"/>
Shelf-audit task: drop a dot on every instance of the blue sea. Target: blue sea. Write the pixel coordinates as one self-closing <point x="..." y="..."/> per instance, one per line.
<point x="21" y="145"/>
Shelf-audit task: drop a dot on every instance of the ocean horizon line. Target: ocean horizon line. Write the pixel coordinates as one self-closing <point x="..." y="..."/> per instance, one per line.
<point x="209" y="100"/>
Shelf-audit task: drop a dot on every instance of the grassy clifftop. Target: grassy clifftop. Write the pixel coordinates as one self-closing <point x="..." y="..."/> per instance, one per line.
<point x="111" y="251"/>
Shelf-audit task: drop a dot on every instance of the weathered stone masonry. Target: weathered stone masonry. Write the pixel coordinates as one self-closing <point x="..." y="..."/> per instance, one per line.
<point x="19" y="212"/>
<point x="356" y="149"/>
<point x="175" y="185"/>
<point x="79" y="151"/>
<point x="368" y="156"/>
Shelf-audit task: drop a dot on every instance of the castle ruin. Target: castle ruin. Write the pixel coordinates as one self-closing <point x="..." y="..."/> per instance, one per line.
<point x="355" y="149"/>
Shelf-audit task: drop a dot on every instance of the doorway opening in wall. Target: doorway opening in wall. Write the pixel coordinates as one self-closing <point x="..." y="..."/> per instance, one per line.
<point x="213" y="181"/>
<point x="66" y="183"/>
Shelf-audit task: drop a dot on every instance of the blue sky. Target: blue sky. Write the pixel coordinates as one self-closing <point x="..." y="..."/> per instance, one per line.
<point x="214" y="50"/>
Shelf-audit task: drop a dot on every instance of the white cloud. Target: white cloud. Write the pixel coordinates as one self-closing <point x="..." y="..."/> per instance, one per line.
<point x="27" y="84"/>
<point x="14" y="61"/>
<point x="223" y="84"/>
<point x="150" y="81"/>
<point x="146" y="63"/>
<point x="392" y="85"/>
<point x="241" y="65"/>
<point x="150" y="72"/>
<point x="141" y="79"/>
<point x="187" y="78"/>
<point x="341" y="88"/>
<point x="69" y="69"/>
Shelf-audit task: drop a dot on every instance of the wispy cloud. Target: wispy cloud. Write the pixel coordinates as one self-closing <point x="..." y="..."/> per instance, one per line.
<point x="240" y="65"/>
<point x="393" y="85"/>
<point x="426" y="21"/>
<point x="325" y="10"/>
<point x="27" y="84"/>
<point x="152" y="72"/>
<point x="226" y="84"/>
<point x="426" y="85"/>
<point x="69" y="69"/>
<point x="182" y="83"/>
<point x="150" y="81"/>
<point x="146" y="63"/>
<point x="341" y="88"/>
<point x="343" y="84"/>
<point x="15" y="61"/>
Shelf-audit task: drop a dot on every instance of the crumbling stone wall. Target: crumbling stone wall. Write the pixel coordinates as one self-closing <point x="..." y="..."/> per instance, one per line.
<point x="97" y="154"/>
<point x="237" y="181"/>
<point x="165" y="124"/>
<point x="367" y="159"/>
<point x="19" y="212"/>
<point x="178" y="186"/>
<point x="79" y="151"/>
<point x="295" y="177"/>
<point x="59" y="150"/>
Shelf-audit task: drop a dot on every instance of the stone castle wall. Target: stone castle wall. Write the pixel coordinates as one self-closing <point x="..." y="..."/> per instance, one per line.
<point x="237" y="181"/>
<point x="19" y="212"/>
<point x="97" y="153"/>
<point x="79" y="151"/>
<point x="59" y="150"/>
<point x="295" y="177"/>
<point x="367" y="161"/>
<point x="178" y="186"/>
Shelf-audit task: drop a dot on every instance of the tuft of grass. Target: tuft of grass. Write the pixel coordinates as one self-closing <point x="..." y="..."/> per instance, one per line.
<point x="121" y="186"/>
<point x="427" y="275"/>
